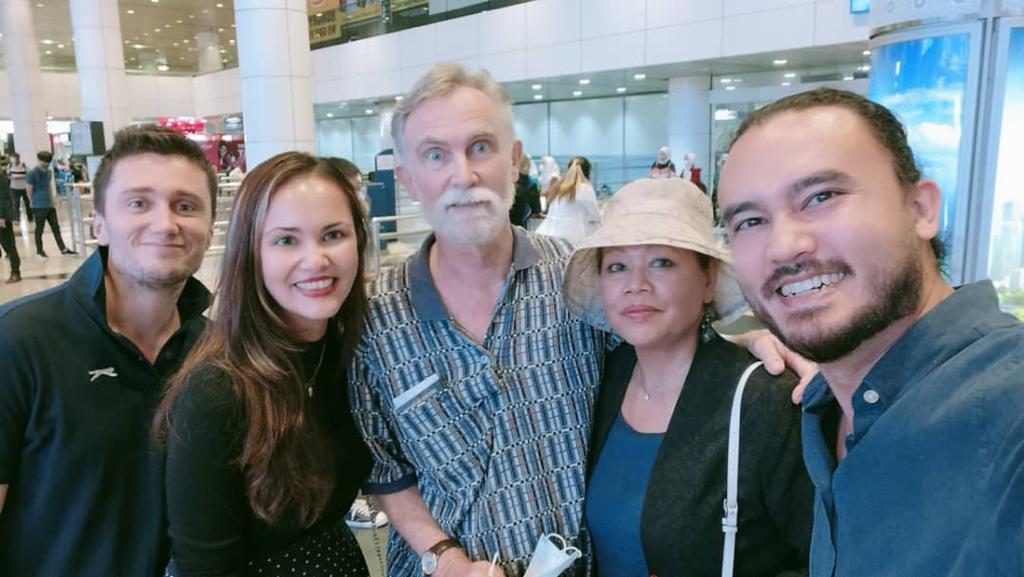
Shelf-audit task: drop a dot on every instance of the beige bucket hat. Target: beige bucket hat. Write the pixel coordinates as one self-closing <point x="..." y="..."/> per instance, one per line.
<point x="671" y="212"/>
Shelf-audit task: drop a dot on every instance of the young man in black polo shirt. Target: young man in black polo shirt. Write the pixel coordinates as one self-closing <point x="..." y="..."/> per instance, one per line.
<point x="82" y="368"/>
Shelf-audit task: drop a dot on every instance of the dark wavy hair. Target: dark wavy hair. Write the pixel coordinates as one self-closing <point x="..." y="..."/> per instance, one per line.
<point x="285" y="457"/>
<point x="879" y="120"/>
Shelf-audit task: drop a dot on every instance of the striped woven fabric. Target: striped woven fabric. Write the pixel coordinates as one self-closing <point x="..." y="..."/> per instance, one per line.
<point x="494" y="434"/>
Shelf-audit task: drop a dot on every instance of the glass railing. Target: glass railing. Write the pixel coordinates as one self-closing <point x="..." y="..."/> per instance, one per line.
<point x="347" y="20"/>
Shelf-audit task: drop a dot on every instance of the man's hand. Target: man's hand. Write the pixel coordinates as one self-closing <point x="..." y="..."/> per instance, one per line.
<point x="455" y="563"/>
<point x="777" y="357"/>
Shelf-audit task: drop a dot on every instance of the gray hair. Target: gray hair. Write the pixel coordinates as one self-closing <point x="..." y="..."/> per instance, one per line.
<point x="442" y="80"/>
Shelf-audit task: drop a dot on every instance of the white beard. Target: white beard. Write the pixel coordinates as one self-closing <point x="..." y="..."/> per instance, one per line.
<point x="470" y="226"/>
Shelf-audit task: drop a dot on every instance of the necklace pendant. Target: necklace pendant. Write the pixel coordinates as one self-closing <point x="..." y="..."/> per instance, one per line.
<point x="310" y="391"/>
<point x="647" y="396"/>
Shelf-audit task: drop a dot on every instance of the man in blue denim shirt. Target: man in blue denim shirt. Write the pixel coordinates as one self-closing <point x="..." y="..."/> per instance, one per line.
<point x="914" y="431"/>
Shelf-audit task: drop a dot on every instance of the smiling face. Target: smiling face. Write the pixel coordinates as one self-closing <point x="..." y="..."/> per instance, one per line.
<point x="829" y="248"/>
<point x="654" y="295"/>
<point x="460" y="161"/>
<point x="309" y="253"/>
<point x="156" y="221"/>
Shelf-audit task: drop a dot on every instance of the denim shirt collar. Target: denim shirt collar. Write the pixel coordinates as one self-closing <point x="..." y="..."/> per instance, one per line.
<point x="426" y="301"/>
<point x="925" y="346"/>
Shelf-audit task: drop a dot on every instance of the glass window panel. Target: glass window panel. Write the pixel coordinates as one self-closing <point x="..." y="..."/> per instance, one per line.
<point x="592" y="128"/>
<point x="1006" y="257"/>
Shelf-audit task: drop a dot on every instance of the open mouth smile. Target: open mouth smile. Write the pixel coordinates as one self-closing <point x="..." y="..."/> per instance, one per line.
<point x="810" y="285"/>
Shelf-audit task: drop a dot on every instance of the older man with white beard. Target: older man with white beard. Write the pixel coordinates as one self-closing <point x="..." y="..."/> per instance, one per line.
<point x="473" y="385"/>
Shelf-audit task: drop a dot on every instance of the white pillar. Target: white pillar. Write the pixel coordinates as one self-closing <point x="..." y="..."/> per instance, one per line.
<point x="208" y="46"/>
<point x="276" y="75"/>
<point x="21" y="56"/>
<point x="689" y="114"/>
<point x="99" y="57"/>
<point x="385" y="112"/>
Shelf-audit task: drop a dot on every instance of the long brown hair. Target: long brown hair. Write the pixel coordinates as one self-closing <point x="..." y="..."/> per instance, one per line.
<point x="285" y="457"/>
<point x="566" y="188"/>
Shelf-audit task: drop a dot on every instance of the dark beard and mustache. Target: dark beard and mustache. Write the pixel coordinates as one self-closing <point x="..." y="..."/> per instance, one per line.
<point x="897" y="296"/>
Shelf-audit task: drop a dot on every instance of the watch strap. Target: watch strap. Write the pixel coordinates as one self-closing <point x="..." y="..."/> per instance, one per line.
<point x="443" y="545"/>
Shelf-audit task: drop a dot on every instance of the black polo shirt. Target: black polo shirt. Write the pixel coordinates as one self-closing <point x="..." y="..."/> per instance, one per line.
<point x="86" y="491"/>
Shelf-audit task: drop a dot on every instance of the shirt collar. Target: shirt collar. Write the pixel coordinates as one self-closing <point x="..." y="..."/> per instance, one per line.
<point x="87" y="283"/>
<point x="426" y="301"/>
<point x="927" y="344"/>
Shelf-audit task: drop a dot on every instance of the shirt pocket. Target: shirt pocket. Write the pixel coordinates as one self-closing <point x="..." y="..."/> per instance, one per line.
<point x="446" y="430"/>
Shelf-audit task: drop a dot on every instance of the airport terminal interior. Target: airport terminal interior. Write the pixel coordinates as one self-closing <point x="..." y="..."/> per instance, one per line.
<point x="615" y="81"/>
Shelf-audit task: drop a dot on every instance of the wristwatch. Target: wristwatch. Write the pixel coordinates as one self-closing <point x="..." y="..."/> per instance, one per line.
<point x="428" y="561"/>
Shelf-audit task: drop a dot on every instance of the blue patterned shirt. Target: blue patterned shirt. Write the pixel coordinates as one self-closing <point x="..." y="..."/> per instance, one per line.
<point x="494" y="434"/>
<point x="933" y="480"/>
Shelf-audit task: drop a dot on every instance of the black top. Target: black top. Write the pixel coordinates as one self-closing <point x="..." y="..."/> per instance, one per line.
<point x="76" y="403"/>
<point x="6" y="200"/>
<point x="681" y="528"/>
<point x="526" y="202"/>
<point x="213" y="529"/>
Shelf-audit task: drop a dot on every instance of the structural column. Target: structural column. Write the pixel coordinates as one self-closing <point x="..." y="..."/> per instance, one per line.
<point x="99" y="57"/>
<point x="21" y="56"/>
<point x="208" y="44"/>
<point x="276" y="74"/>
<point x="689" y="124"/>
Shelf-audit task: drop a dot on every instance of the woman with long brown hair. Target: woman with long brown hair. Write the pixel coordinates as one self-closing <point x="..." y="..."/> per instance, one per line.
<point x="263" y="458"/>
<point x="572" y="204"/>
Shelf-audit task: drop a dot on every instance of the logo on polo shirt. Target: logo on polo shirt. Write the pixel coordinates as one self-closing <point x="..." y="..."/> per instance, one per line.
<point x="107" y="372"/>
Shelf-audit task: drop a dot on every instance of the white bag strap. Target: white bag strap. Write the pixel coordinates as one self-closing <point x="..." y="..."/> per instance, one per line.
<point x="730" y="523"/>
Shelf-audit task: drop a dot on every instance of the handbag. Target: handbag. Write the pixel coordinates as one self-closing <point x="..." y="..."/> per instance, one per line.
<point x="730" y="522"/>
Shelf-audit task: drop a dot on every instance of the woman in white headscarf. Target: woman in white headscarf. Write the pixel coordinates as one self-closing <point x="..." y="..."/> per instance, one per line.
<point x="663" y="166"/>
<point x="548" y="171"/>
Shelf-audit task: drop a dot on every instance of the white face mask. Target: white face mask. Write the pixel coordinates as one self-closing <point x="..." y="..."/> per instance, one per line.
<point x="551" y="557"/>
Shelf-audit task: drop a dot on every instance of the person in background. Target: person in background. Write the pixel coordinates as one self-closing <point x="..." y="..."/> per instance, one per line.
<point x="83" y="367"/>
<point x="40" y="186"/>
<point x="913" y="432"/>
<point x="656" y="276"/>
<point x="663" y="166"/>
<point x="17" y="171"/>
<point x="263" y="457"/>
<point x="527" y="199"/>
<point x="7" y="218"/>
<point x="548" y="173"/>
<point x="572" y="207"/>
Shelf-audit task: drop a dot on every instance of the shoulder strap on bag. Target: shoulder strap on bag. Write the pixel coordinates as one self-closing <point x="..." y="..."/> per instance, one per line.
<point x="730" y="523"/>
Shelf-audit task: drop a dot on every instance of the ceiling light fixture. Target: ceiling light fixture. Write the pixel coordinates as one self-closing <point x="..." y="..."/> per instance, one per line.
<point x="726" y="80"/>
<point x="620" y="89"/>
<point x="730" y="88"/>
<point x="848" y="78"/>
<point x="163" y="67"/>
<point x="584" y="81"/>
<point x="129" y="11"/>
<point x="866" y="53"/>
<point x="536" y="87"/>
<point x="780" y="62"/>
<point x="790" y="75"/>
<point x="538" y="97"/>
<point x="577" y="93"/>
<point x="787" y="83"/>
<point x="330" y="115"/>
<point x="369" y="111"/>
<point x="639" y="76"/>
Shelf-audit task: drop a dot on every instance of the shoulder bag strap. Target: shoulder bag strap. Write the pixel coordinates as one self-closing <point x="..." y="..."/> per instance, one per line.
<point x="730" y="523"/>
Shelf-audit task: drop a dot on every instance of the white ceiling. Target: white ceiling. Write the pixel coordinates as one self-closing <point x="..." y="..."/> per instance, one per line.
<point x="152" y="31"/>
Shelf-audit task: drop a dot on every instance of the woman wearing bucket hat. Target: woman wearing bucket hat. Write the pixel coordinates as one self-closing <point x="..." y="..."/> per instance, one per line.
<point x="654" y="274"/>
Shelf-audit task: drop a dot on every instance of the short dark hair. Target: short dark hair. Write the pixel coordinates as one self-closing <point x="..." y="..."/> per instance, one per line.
<point x="880" y="121"/>
<point x="346" y="167"/>
<point x="149" y="139"/>
<point x="44" y="156"/>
